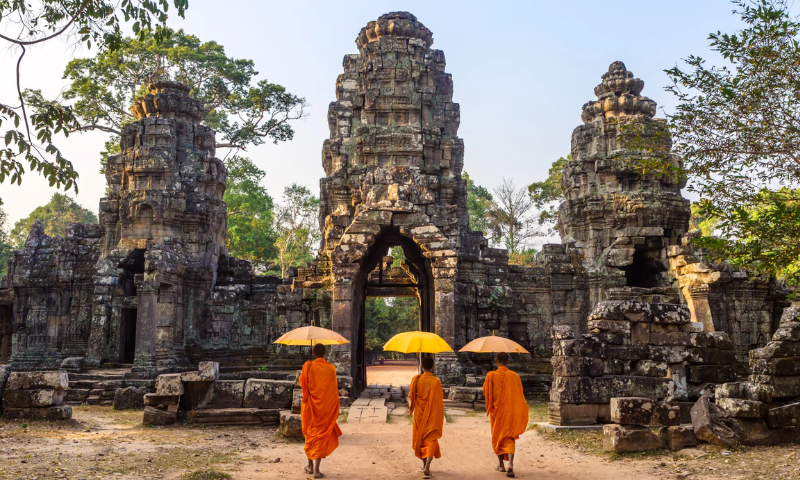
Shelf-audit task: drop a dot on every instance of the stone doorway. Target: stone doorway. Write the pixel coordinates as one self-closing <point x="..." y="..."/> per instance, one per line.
<point x="381" y="277"/>
<point x="6" y="320"/>
<point x="127" y="350"/>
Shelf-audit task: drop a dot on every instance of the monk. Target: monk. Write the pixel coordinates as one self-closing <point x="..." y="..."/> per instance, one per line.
<point x="507" y="410"/>
<point x="319" y="410"/>
<point x="426" y="403"/>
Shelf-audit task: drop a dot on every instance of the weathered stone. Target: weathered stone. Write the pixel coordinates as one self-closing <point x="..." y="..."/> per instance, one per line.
<point x="711" y="356"/>
<point x="739" y="408"/>
<point x="562" y="332"/>
<point x="169" y="384"/>
<point x="775" y="366"/>
<point x="632" y="410"/>
<point x="291" y="425"/>
<point x="268" y="394"/>
<point x="605" y="388"/>
<point x="61" y="412"/>
<point x="649" y="368"/>
<point x="572" y="415"/>
<point x="711" y="373"/>
<point x="577" y="367"/>
<point x="779" y="386"/>
<point x="785" y="416"/>
<point x="74" y="364"/>
<point x="713" y="425"/>
<point x="157" y="417"/>
<point x="463" y="394"/>
<point x="155" y="400"/>
<point x="755" y="433"/>
<point x="629" y="438"/>
<point x="297" y="400"/>
<point x="225" y="394"/>
<point x="52" y="380"/>
<point x="129" y="398"/>
<point x="677" y="438"/>
<point x="32" y="398"/>
<point x="743" y="390"/>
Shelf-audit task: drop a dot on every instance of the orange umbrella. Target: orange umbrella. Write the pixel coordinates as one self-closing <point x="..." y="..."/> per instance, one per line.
<point x="310" y="336"/>
<point x="493" y="344"/>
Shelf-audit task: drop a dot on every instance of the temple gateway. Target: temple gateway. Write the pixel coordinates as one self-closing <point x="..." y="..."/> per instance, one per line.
<point x="152" y="285"/>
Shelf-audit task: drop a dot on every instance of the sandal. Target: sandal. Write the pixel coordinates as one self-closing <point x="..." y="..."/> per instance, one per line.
<point x="500" y="469"/>
<point x="427" y="475"/>
<point x="310" y="472"/>
<point x="510" y="474"/>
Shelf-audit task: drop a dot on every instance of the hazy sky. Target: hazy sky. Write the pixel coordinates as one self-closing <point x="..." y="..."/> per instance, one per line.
<point x="521" y="69"/>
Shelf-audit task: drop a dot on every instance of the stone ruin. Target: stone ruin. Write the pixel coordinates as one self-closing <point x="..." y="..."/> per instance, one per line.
<point x="636" y="310"/>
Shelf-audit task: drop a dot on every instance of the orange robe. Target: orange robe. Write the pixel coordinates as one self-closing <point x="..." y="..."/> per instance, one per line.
<point x="507" y="409"/>
<point x="426" y="403"/>
<point x="320" y="408"/>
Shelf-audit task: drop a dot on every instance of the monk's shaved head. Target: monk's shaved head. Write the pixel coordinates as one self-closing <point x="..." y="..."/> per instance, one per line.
<point x="502" y="359"/>
<point x="427" y="363"/>
<point x="320" y="350"/>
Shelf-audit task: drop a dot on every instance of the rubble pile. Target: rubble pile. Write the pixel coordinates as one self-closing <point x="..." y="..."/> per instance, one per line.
<point x="36" y="396"/>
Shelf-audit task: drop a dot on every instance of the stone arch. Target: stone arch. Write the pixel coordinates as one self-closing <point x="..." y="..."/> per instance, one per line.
<point x="359" y="249"/>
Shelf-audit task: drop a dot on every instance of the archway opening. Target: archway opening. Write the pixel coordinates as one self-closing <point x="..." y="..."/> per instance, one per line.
<point x="394" y="293"/>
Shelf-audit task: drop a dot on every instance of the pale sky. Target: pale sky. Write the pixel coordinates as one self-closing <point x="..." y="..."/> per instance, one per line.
<point x="521" y="70"/>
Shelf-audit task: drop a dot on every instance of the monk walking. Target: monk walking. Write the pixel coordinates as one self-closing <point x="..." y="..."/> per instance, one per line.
<point x="507" y="410"/>
<point x="319" y="410"/>
<point x="426" y="403"/>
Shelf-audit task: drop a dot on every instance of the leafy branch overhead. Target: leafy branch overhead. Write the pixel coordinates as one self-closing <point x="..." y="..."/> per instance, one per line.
<point x="79" y="22"/>
<point x="102" y="89"/>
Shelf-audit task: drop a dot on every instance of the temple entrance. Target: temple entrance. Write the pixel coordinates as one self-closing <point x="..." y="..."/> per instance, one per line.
<point x="127" y="342"/>
<point x="6" y="320"/>
<point x="395" y="293"/>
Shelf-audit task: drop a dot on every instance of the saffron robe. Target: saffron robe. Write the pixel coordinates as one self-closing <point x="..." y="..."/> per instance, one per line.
<point x="320" y="408"/>
<point x="426" y="403"/>
<point x="507" y="409"/>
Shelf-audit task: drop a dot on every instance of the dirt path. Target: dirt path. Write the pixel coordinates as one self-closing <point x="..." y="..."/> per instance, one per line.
<point x="391" y="374"/>
<point x="378" y="451"/>
<point x="102" y="444"/>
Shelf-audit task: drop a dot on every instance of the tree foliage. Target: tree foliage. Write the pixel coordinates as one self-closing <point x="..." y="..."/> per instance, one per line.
<point x="297" y="227"/>
<point x="6" y="249"/>
<point x="102" y="89"/>
<point x="546" y="195"/>
<point x="59" y="212"/>
<point x="251" y="232"/>
<point x="479" y="202"/>
<point x="737" y="128"/>
<point x="512" y="217"/>
<point x="79" y="22"/>
<point x="386" y="317"/>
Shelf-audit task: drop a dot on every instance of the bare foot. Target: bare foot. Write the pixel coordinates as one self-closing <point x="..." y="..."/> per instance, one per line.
<point x="500" y="468"/>
<point x="308" y="470"/>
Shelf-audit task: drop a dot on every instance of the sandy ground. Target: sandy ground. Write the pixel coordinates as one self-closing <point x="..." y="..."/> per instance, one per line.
<point x="102" y="444"/>
<point x="391" y="373"/>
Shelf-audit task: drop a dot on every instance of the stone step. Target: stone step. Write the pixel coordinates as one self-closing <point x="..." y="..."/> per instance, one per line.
<point x="235" y="416"/>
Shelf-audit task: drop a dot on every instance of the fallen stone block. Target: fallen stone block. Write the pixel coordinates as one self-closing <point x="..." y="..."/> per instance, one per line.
<point x="291" y="425"/>
<point x="568" y="414"/>
<point x="788" y="435"/>
<point x="787" y="333"/>
<point x="713" y="425"/>
<point x="632" y="410"/>
<point x="740" y="408"/>
<point x="343" y="382"/>
<point x="209" y="370"/>
<point x="629" y="438"/>
<point x="272" y="394"/>
<point x="756" y="434"/>
<point x="225" y="394"/>
<point x="562" y="332"/>
<point x="74" y="364"/>
<point x="666" y="415"/>
<point x="463" y="394"/>
<point x="169" y="384"/>
<point x="779" y="386"/>
<point x="297" y="400"/>
<point x="155" y="400"/>
<point x="60" y="412"/>
<point x="157" y="417"/>
<point x="785" y="416"/>
<point x="775" y="349"/>
<point x="744" y="390"/>
<point x="75" y="395"/>
<point x="775" y="366"/>
<point x="677" y="437"/>
<point x="129" y="398"/>
<point x="52" y="380"/>
<point x="235" y="417"/>
<point x="32" y="398"/>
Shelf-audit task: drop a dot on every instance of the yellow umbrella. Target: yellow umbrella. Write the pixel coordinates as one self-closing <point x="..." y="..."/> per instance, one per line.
<point x="309" y="336"/>
<point x="493" y="344"/>
<point x="417" y="342"/>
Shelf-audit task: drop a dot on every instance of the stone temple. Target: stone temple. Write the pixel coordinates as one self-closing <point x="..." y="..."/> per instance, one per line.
<point x="153" y="286"/>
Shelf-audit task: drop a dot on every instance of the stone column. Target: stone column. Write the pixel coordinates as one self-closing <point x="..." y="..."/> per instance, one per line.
<point x="144" y="362"/>
<point x="697" y="301"/>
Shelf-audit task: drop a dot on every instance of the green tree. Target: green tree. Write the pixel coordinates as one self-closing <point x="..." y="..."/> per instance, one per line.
<point x="251" y="232"/>
<point x="59" y="212"/>
<point x="737" y="129"/>
<point x="6" y="249"/>
<point x="386" y="317"/>
<point x="547" y="196"/>
<point x="512" y="217"/>
<point x="479" y="202"/>
<point x="297" y="228"/>
<point x="701" y="221"/>
<point x="75" y="22"/>
<point x="102" y="89"/>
